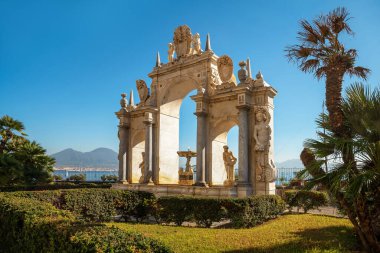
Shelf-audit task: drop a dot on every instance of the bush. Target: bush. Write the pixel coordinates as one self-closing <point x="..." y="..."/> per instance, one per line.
<point x="28" y="225"/>
<point x="53" y="186"/>
<point x="97" y="204"/>
<point x="249" y="212"/>
<point x="175" y="209"/>
<point x="109" y="178"/>
<point x="245" y="212"/>
<point x="77" y="178"/>
<point x="305" y="199"/>
<point x="105" y="204"/>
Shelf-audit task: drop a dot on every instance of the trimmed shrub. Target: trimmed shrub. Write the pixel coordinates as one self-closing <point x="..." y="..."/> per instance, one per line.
<point x="207" y="210"/>
<point x="105" y="204"/>
<point x="54" y="186"/>
<point x="305" y="199"/>
<point x="28" y="225"/>
<point x="175" y="209"/>
<point x="249" y="212"/>
<point x="112" y="239"/>
<point x="98" y="204"/>
<point x="245" y="212"/>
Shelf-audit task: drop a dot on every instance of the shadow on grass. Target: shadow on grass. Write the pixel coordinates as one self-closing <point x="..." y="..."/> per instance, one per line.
<point x="328" y="239"/>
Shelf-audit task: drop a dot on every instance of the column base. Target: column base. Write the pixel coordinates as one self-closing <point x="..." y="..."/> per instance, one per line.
<point x="203" y="184"/>
<point x="123" y="182"/>
<point x="244" y="190"/>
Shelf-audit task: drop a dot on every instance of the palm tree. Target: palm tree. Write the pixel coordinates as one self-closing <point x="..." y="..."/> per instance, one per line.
<point x="355" y="183"/>
<point x="10" y="130"/>
<point x="321" y="52"/>
<point x="37" y="165"/>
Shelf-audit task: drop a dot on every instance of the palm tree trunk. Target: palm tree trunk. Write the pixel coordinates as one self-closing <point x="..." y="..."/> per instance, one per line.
<point x="334" y="80"/>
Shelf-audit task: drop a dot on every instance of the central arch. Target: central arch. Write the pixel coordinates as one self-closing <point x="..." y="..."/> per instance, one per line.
<point x="170" y="101"/>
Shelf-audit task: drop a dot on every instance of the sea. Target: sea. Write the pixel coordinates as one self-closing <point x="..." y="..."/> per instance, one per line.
<point x="94" y="175"/>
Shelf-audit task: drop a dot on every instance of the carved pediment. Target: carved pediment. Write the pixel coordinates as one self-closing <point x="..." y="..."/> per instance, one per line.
<point x="182" y="41"/>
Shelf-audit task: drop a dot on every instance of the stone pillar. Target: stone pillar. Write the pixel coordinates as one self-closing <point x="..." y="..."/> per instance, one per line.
<point x="201" y="148"/>
<point x="243" y="145"/>
<point x="148" y="159"/>
<point x="123" y="135"/>
<point x="155" y="167"/>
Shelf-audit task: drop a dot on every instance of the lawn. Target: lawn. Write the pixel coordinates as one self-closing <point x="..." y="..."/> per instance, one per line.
<point x="288" y="233"/>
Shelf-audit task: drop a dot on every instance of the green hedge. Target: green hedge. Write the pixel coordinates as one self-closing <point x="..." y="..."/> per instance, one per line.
<point x="54" y="186"/>
<point x="97" y="204"/>
<point x="28" y="225"/>
<point x="305" y="199"/>
<point x="245" y="212"/>
<point x="105" y="204"/>
<point x="254" y="210"/>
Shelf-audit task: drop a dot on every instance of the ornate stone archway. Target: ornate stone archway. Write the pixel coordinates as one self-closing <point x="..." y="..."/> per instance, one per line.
<point x="221" y="102"/>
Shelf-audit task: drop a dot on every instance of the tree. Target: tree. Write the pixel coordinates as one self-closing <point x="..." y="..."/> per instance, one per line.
<point x="322" y="53"/>
<point x="57" y="177"/>
<point x="21" y="161"/>
<point x="37" y="166"/>
<point x="355" y="183"/>
<point x="10" y="130"/>
<point x="77" y="178"/>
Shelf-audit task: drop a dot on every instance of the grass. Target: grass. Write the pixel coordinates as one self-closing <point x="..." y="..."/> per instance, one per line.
<point x="289" y="233"/>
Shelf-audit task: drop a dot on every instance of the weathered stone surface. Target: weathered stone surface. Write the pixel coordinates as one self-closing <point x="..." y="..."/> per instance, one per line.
<point x="220" y="105"/>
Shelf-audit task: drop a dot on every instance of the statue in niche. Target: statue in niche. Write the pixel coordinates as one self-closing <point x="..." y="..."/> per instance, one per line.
<point x="182" y="41"/>
<point x="229" y="163"/>
<point x="265" y="169"/>
<point x="143" y="91"/>
<point x="171" y="52"/>
<point x="142" y="168"/>
<point x="197" y="44"/>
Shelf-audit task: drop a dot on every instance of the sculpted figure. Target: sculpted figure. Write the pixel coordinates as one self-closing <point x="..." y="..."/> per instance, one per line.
<point x="197" y="44"/>
<point x="171" y="52"/>
<point x="262" y="135"/>
<point x="229" y="163"/>
<point x="142" y="168"/>
<point x="143" y="90"/>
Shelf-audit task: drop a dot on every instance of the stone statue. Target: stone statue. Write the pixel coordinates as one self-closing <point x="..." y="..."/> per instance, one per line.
<point x="197" y="44"/>
<point x="229" y="163"/>
<point x="182" y="41"/>
<point x="262" y="132"/>
<point x="171" y="52"/>
<point x="143" y="90"/>
<point x="142" y="168"/>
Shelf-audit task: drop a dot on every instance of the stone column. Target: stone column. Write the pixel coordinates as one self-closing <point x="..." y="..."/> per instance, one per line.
<point x="201" y="148"/>
<point x="243" y="145"/>
<point x="148" y="159"/>
<point x="123" y="135"/>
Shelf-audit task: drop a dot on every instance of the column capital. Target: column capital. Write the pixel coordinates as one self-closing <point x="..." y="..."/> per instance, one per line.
<point x="123" y="126"/>
<point x="244" y="107"/>
<point x="148" y="118"/>
<point x="200" y="114"/>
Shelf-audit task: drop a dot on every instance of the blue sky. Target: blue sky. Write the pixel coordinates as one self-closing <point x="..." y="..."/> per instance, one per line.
<point x="63" y="64"/>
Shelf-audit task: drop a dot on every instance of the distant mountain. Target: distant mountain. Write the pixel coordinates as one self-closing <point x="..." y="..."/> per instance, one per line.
<point x="292" y="163"/>
<point x="98" y="158"/>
